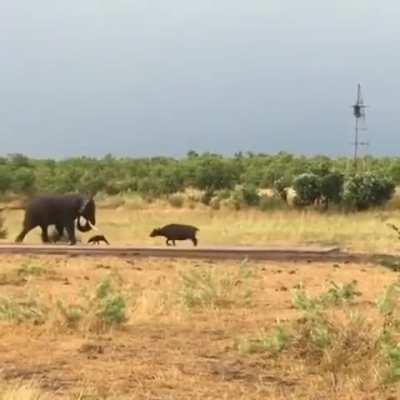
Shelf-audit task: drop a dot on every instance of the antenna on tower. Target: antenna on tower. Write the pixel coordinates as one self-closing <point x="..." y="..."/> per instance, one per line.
<point x="359" y="115"/>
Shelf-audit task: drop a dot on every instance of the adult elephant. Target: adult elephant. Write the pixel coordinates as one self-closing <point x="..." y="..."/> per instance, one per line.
<point x="61" y="211"/>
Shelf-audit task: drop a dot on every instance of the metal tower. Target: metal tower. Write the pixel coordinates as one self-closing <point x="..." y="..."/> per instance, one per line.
<point x="359" y="115"/>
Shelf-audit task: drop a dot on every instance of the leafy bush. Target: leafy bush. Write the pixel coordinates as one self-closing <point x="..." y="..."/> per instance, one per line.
<point x="273" y="343"/>
<point x="99" y="310"/>
<point x="280" y="187"/>
<point x="319" y="178"/>
<point x="364" y="191"/>
<point x="307" y="187"/>
<point x="250" y="196"/>
<point x="26" y="310"/>
<point x="331" y="186"/>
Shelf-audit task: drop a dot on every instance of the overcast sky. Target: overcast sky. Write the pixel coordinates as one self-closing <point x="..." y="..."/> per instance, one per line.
<point x="157" y="77"/>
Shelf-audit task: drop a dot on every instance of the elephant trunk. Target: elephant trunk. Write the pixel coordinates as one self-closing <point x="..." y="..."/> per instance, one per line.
<point x="84" y="228"/>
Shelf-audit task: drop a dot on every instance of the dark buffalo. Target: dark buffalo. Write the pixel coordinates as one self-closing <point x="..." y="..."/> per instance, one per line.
<point x="176" y="232"/>
<point x="61" y="211"/>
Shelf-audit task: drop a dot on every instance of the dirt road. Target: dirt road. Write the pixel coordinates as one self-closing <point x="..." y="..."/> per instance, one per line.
<point x="327" y="254"/>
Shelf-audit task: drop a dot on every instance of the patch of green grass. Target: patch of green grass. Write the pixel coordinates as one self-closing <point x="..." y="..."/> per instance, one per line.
<point x="98" y="309"/>
<point x="27" y="310"/>
<point x="31" y="270"/>
<point x="336" y="294"/>
<point x="215" y="288"/>
<point x="273" y="343"/>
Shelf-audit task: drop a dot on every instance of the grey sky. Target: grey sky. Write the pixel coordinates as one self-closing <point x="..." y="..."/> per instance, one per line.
<point x="154" y="77"/>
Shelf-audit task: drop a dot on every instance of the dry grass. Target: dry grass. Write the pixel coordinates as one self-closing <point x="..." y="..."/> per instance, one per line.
<point x="363" y="231"/>
<point x="167" y="349"/>
<point x="176" y="325"/>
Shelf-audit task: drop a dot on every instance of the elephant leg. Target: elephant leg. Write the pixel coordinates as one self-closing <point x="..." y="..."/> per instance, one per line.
<point x="71" y="233"/>
<point x="60" y="229"/>
<point x="45" y="236"/>
<point x="22" y="235"/>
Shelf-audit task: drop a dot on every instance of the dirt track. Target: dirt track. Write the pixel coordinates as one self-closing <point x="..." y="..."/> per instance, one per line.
<point x="254" y="253"/>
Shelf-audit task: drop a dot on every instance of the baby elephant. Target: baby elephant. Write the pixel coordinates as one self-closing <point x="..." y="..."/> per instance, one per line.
<point x="96" y="239"/>
<point x="176" y="232"/>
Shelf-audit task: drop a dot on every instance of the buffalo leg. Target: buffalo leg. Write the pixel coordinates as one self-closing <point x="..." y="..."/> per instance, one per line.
<point x="194" y="240"/>
<point x="45" y="236"/>
<point x="167" y="242"/>
<point x="22" y="235"/>
<point x="173" y="242"/>
<point x="71" y="233"/>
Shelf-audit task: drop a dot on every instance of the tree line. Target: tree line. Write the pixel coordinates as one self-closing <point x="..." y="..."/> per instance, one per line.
<point x="314" y="178"/>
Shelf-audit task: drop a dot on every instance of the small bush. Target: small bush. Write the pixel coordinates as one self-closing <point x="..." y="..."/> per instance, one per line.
<point x="388" y="305"/>
<point x="27" y="310"/>
<point x="110" y="304"/>
<point x="176" y="200"/>
<point x="99" y="310"/>
<point x="280" y="187"/>
<point x="274" y="343"/>
<point x="72" y="314"/>
<point x="31" y="270"/>
<point x="331" y="187"/>
<point x="365" y="191"/>
<point x="307" y="187"/>
<point x="208" y="288"/>
<point x="336" y="294"/>
<point x="250" y="195"/>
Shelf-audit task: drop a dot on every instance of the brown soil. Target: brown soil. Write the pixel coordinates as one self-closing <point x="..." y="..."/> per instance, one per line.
<point x="165" y="351"/>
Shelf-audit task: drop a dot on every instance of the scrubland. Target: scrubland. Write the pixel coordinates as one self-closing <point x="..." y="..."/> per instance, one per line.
<point x="82" y="328"/>
<point x="131" y="224"/>
<point x="108" y="328"/>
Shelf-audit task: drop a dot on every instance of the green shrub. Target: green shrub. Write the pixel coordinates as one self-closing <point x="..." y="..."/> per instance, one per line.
<point x="280" y="187"/>
<point x="176" y="200"/>
<point x="331" y="187"/>
<point x="250" y="196"/>
<point x="209" y="288"/>
<point x="26" y="310"/>
<point x="368" y="190"/>
<point x="98" y="310"/>
<point x="273" y="343"/>
<point x="307" y="187"/>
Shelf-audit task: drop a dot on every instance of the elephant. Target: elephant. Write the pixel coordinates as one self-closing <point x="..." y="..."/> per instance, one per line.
<point x="61" y="211"/>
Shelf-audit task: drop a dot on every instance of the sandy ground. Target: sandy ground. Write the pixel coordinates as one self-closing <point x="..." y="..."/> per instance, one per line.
<point x="165" y="350"/>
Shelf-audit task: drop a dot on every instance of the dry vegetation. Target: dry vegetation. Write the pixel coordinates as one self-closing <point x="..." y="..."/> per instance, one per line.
<point x="80" y="328"/>
<point x="115" y="329"/>
<point x="132" y="223"/>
